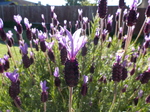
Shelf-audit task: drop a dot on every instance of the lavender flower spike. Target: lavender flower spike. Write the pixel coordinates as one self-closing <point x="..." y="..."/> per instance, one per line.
<point x="12" y="76"/>
<point x="43" y="86"/>
<point x="44" y="94"/>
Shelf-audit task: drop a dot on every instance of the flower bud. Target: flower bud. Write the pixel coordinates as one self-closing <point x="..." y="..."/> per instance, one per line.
<point x="84" y="89"/>
<point x="102" y="8"/>
<point x="51" y="56"/>
<point x="26" y="61"/>
<point x="57" y="82"/>
<point x="18" y="101"/>
<point x="63" y="55"/>
<point x="14" y="89"/>
<point x="147" y="99"/>
<point x="136" y="100"/>
<point x="71" y="73"/>
<point x="44" y="96"/>
<point x="84" y="50"/>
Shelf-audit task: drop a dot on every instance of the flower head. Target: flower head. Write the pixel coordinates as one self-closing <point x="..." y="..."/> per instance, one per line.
<point x="43" y="86"/>
<point x="12" y="76"/>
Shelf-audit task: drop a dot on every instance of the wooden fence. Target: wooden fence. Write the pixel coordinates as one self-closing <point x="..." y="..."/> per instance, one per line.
<point x="69" y="13"/>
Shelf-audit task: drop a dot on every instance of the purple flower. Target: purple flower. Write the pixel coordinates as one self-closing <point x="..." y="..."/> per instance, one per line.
<point x="27" y="24"/>
<point x="10" y="40"/>
<point x="12" y="76"/>
<point x="17" y="18"/>
<point x="41" y="35"/>
<point x="42" y="16"/>
<point x="1" y="23"/>
<point x="24" y="49"/>
<point x="43" y="86"/>
<point x="73" y="43"/>
<point x="49" y="45"/>
<point x="44" y="94"/>
<point x="56" y="72"/>
<point x="85" y="79"/>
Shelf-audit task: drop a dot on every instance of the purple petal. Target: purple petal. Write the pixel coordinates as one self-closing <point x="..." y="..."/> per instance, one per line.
<point x="49" y="45"/>
<point x="18" y="18"/>
<point x="2" y="61"/>
<point x="9" y="34"/>
<point x="43" y="86"/>
<point x="80" y="11"/>
<point x="56" y="72"/>
<point x="36" y="41"/>
<point x="24" y="48"/>
<point x="26" y="22"/>
<point x="81" y="42"/>
<point x="6" y="57"/>
<point x="12" y="76"/>
<point x="41" y="35"/>
<point x="52" y="8"/>
<point x="85" y="79"/>
<point x="1" y="23"/>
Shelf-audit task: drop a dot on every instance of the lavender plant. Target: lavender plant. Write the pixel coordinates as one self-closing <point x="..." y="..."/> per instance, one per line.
<point x="83" y="70"/>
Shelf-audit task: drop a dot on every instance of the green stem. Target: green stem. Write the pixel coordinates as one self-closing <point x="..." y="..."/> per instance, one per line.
<point x="140" y="31"/>
<point x="114" y="99"/>
<point x="44" y="106"/>
<point x="21" y="110"/>
<point x="119" y="24"/>
<point x="49" y="68"/>
<point x="61" y="95"/>
<point x="11" y="55"/>
<point x="70" y="98"/>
